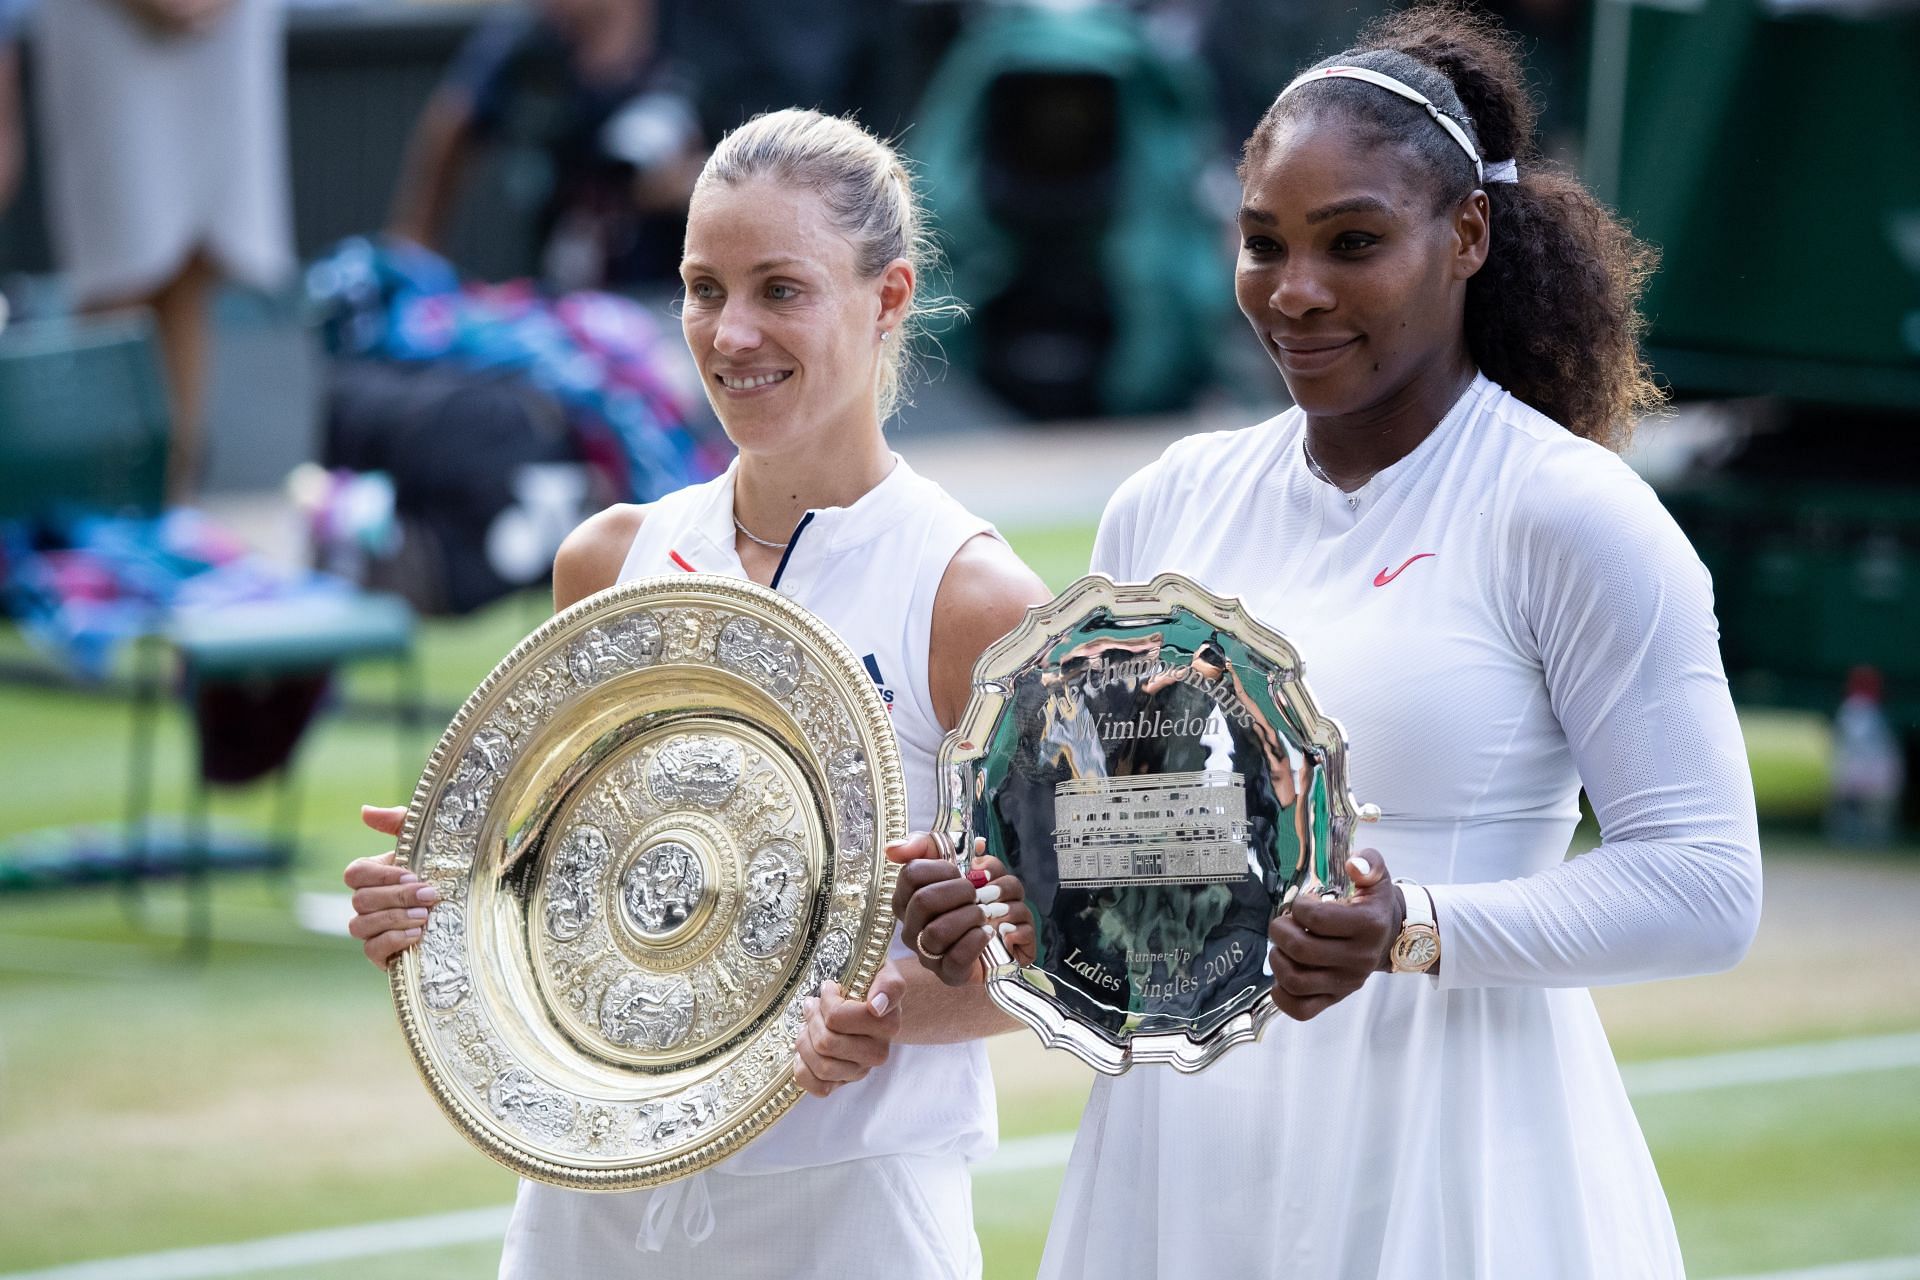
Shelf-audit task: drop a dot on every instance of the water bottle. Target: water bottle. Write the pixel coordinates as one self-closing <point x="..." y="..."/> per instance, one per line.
<point x="1868" y="770"/>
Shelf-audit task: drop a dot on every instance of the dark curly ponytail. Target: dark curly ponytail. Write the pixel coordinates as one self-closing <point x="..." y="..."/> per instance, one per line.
<point x="1553" y="315"/>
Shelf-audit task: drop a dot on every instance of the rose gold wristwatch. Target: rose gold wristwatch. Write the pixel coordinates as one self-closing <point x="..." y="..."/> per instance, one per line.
<point x="1417" y="949"/>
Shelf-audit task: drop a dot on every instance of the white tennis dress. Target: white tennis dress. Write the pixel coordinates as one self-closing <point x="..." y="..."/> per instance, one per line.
<point x="1503" y="616"/>
<point x="872" y="1180"/>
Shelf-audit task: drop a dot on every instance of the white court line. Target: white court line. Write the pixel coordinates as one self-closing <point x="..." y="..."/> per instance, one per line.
<point x="473" y="1226"/>
<point x="1018" y="1155"/>
<point x="1772" y="1066"/>
<point x="1873" y="1269"/>
<point x="1040" y="1151"/>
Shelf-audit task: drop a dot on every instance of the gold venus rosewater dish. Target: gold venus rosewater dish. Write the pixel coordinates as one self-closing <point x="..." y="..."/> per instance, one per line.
<point x="655" y="829"/>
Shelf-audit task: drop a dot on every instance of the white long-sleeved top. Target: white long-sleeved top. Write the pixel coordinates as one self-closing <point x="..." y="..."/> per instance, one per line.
<point x="1500" y="618"/>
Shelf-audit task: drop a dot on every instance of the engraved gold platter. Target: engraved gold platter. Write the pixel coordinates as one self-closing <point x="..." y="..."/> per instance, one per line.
<point x="656" y="828"/>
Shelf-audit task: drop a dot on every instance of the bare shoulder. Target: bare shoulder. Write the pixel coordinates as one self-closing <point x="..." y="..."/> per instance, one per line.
<point x="986" y="590"/>
<point x="984" y="594"/>
<point x="590" y="558"/>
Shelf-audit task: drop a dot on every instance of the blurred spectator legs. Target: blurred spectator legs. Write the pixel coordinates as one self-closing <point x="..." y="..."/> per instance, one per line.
<point x="13" y="137"/>
<point x="181" y="308"/>
<point x="163" y="130"/>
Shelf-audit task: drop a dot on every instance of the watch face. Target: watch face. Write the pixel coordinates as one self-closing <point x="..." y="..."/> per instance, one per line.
<point x="1417" y="949"/>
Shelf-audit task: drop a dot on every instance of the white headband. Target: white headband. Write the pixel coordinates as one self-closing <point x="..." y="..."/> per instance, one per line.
<point x="1498" y="171"/>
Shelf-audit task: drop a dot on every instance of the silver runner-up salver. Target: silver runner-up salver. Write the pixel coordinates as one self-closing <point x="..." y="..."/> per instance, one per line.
<point x="656" y="828"/>
<point x="1147" y="759"/>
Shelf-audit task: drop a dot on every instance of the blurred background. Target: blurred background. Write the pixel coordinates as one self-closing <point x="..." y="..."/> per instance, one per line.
<point x="323" y="324"/>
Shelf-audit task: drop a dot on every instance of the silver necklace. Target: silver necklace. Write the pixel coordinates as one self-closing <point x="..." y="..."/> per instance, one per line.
<point x="1313" y="465"/>
<point x="748" y="534"/>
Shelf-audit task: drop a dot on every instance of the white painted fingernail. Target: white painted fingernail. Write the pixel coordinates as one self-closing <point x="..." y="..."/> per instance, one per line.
<point x="995" y="910"/>
<point x="987" y="893"/>
<point x="1361" y="865"/>
<point x="880" y="1004"/>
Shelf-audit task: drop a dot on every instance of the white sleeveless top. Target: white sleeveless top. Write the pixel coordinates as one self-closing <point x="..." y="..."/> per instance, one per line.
<point x="870" y="571"/>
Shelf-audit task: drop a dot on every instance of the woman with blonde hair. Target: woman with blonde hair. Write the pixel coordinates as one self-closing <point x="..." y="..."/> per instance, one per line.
<point x="804" y="250"/>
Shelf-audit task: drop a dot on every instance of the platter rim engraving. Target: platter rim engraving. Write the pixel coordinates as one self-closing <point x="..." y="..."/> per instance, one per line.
<point x="871" y="729"/>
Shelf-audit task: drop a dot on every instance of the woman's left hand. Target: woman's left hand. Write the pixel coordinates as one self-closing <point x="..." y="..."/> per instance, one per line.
<point x="1325" y="948"/>
<point x="845" y="1039"/>
<point x="948" y="916"/>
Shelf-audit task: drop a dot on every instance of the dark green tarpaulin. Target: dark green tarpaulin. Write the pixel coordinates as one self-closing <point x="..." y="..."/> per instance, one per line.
<point x="1164" y="266"/>
<point x="1772" y="151"/>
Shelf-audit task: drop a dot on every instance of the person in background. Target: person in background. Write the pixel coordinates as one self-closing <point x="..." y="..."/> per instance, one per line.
<point x="13" y="136"/>
<point x="13" y="141"/>
<point x="863" y="58"/>
<point x="593" y="121"/>
<point x="163" y="128"/>
<point x="1501" y="614"/>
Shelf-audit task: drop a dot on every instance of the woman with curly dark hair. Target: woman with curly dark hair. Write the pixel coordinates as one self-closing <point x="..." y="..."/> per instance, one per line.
<point x="1501" y="614"/>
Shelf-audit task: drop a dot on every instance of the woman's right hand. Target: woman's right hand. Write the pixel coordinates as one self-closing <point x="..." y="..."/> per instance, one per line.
<point x="390" y="903"/>
<point x="947" y="916"/>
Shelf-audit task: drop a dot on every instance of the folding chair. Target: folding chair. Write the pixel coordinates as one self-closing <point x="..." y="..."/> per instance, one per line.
<point x="84" y="424"/>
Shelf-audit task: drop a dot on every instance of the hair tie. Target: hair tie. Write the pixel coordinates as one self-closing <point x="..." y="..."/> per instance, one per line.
<point x="1501" y="171"/>
<point x="1379" y="78"/>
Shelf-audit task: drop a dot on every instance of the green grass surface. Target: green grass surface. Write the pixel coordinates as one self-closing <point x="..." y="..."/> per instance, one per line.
<point x="147" y="1104"/>
<point x="1791" y="1175"/>
<point x="1789" y="752"/>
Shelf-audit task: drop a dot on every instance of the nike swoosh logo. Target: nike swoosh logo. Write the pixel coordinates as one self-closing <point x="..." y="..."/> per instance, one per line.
<point x="1382" y="578"/>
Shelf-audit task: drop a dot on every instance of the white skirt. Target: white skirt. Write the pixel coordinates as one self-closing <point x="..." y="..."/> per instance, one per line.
<point x="905" y="1217"/>
<point x="158" y="145"/>
<point x="1473" y="1135"/>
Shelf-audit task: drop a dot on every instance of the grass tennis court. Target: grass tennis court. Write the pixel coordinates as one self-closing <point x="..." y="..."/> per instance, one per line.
<point x="149" y="1105"/>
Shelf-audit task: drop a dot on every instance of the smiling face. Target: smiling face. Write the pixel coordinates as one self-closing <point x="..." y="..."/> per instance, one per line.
<point x="1355" y="285"/>
<point x="784" y="329"/>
